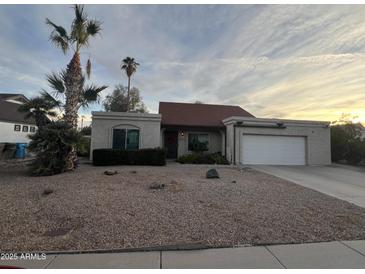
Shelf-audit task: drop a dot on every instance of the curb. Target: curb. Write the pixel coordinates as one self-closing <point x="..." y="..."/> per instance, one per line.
<point x="137" y="249"/>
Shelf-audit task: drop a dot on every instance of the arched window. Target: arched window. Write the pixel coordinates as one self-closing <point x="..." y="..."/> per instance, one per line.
<point x="125" y="138"/>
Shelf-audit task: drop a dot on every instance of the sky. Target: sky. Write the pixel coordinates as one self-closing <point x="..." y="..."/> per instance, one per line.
<point x="275" y="61"/>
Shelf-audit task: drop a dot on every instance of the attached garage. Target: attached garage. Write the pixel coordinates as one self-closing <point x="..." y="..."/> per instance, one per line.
<point x="262" y="141"/>
<point x="272" y="150"/>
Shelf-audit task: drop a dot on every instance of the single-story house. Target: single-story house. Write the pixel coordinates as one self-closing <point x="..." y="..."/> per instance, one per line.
<point x="229" y="130"/>
<point x="14" y="127"/>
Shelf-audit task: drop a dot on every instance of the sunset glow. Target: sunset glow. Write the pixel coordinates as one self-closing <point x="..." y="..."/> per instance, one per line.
<point x="284" y="61"/>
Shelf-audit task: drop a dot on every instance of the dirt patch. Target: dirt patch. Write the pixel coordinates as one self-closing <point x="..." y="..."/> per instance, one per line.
<point x="89" y="210"/>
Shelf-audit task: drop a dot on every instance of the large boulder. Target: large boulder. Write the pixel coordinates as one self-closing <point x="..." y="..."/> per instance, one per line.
<point x="212" y="174"/>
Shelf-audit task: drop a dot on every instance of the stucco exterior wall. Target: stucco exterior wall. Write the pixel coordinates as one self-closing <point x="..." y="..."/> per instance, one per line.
<point x="317" y="134"/>
<point x="103" y="124"/>
<point x="8" y="135"/>
<point x="215" y="141"/>
<point x="229" y="143"/>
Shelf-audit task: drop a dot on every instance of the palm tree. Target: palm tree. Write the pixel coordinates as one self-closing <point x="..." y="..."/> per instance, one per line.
<point x="130" y="67"/>
<point x="40" y="108"/>
<point x="70" y="82"/>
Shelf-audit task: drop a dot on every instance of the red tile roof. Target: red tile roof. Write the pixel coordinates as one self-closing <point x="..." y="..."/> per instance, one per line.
<point x="185" y="114"/>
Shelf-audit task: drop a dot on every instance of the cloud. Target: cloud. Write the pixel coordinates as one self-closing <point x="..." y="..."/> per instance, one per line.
<point x="288" y="61"/>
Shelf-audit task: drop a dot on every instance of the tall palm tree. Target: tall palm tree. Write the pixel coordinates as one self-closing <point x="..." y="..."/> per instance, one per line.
<point x="40" y="108"/>
<point x="129" y="65"/>
<point x="70" y="82"/>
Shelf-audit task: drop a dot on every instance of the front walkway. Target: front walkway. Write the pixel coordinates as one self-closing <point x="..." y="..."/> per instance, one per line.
<point x="345" y="254"/>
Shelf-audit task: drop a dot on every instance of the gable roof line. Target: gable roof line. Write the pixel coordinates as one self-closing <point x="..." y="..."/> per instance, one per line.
<point x="192" y="114"/>
<point x="184" y="103"/>
<point x="9" y="111"/>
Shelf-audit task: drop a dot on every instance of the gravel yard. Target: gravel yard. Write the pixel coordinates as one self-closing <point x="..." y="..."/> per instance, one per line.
<point x="90" y="210"/>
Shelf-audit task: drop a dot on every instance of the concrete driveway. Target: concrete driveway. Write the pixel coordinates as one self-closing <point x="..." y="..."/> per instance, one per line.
<point x="344" y="182"/>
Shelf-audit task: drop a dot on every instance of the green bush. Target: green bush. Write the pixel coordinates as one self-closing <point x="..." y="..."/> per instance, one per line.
<point x="355" y="152"/>
<point x="85" y="131"/>
<point x="347" y="144"/>
<point x="199" y="158"/>
<point x="83" y="147"/>
<point x="52" y="144"/>
<point x="107" y="157"/>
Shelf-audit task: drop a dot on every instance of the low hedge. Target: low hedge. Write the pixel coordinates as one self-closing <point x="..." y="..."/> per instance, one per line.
<point x="108" y="157"/>
<point x="200" y="158"/>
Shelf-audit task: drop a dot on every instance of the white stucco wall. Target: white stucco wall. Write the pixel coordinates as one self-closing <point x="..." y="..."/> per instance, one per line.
<point x="103" y="124"/>
<point x="318" y="144"/>
<point x="229" y="142"/>
<point x="8" y="135"/>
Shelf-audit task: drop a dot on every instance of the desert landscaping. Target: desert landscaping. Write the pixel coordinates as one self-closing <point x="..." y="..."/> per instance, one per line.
<point x="86" y="209"/>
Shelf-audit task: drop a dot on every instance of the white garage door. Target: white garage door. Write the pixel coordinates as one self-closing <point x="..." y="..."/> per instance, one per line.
<point x="272" y="150"/>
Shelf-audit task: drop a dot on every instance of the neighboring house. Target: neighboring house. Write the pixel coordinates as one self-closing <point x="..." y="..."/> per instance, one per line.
<point x="14" y="128"/>
<point x="229" y="130"/>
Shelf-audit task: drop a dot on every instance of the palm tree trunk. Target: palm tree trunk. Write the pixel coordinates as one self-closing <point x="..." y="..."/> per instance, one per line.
<point x="129" y="87"/>
<point x="73" y="89"/>
<point x="74" y="83"/>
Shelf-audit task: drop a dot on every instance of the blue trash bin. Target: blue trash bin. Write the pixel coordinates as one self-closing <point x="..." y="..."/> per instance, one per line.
<point x="20" y="150"/>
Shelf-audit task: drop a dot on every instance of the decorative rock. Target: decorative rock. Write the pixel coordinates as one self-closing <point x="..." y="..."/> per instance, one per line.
<point x="110" y="173"/>
<point x="156" y="185"/>
<point x="212" y="173"/>
<point x="47" y="191"/>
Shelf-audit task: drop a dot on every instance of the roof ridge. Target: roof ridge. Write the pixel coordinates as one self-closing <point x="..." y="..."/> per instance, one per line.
<point x="184" y="103"/>
<point x="191" y="114"/>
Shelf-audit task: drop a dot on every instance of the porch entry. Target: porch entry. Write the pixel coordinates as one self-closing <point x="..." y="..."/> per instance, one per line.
<point x="170" y="144"/>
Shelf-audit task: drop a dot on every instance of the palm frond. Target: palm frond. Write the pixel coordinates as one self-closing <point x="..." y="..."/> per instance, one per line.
<point x="58" y="36"/>
<point x="59" y="29"/>
<point x="78" y="30"/>
<point x="93" y="27"/>
<point x="80" y="16"/>
<point x="88" y="68"/>
<point x="56" y="82"/>
<point x="91" y="94"/>
<point x="129" y="65"/>
<point x="51" y="101"/>
<point x="24" y="107"/>
<point x="60" y="42"/>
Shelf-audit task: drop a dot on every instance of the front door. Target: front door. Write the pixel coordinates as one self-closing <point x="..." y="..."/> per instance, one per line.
<point x="171" y="144"/>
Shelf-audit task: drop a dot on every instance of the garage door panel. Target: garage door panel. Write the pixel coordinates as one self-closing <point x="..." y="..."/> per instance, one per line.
<point x="272" y="150"/>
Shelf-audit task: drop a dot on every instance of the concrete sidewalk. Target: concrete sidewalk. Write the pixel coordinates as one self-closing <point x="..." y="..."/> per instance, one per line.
<point x="346" y="254"/>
